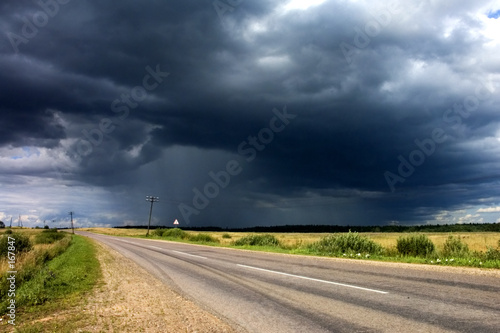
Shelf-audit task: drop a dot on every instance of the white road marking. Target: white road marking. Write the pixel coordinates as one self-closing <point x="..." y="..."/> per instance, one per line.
<point x="312" y="279"/>
<point x="188" y="254"/>
<point x="155" y="247"/>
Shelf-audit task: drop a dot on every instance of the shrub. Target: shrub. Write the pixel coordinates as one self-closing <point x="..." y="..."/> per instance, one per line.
<point x="350" y="242"/>
<point x="175" y="233"/>
<point x="203" y="238"/>
<point x="492" y="254"/>
<point x="22" y="243"/>
<point x="49" y="236"/>
<point x="454" y="247"/>
<point x="9" y="232"/>
<point x="159" y="232"/>
<point x="226" y="236"/>
<point x="258" y="240"/>
<point x="415" y="245"/>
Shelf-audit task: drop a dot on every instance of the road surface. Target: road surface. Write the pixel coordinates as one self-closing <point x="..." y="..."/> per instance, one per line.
<point x="265" y="292"/>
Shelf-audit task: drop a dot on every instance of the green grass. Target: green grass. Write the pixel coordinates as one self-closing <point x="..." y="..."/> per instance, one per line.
<point x="350" y="243"/>
<point x="49" y="236"/>
<point x="14" y="242"/>
<point x="74" y="271"/>
<point x="177" y="234"/>
<point x="415" y="245"/>
<point x="58" y="284"/>
<point x="258" y="240"/>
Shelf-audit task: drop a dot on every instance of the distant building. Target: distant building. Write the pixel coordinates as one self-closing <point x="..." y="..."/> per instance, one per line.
<point x="2" y="225"/>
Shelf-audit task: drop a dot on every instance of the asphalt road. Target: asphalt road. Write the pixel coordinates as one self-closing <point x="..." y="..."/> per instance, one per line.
<point x="263" y="292"/>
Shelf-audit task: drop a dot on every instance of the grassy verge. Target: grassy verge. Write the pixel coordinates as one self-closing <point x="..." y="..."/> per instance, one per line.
<point x="473" y="249"/>
<point x="55" y="286"/>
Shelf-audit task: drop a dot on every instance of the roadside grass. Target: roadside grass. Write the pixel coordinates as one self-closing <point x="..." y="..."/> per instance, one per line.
<point x="473" y="249"/>
<point x="265" y="240"/>
<point x="179" y="234"/>
<point x="57" y="276"/>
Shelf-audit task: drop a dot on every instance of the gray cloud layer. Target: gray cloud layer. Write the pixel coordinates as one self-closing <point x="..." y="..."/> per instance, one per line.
<point x="395" y="111"/>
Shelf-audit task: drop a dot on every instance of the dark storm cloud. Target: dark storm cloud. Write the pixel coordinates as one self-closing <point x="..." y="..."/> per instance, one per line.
<point x="76" y="86"/>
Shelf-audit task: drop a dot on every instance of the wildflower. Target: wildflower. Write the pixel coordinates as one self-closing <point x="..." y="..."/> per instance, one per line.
<point x="344" y="254"/>
<point x="480" y="263"/>
<point x="438" y="260"/>
<point x="359" y="254"/>
<point x="432" y="261"/>
<point x="367" y="255"/>
<point x="452" y="259"/>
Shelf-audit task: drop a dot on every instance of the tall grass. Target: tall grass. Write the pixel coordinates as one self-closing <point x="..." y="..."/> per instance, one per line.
<point x="202" y="238"/>
<point x="416" y="245"/>
<point x="179" y="234"/>
<point x="29" y="264"/>
<point x="351" y="242"/>
<point x="19" y="242"/>
<point x="258" y="240"/>
<point x="454" y="247"/>
<point x="492" y="253"/>
<point x="75" y="270"/>
<point x="49" y="236"/>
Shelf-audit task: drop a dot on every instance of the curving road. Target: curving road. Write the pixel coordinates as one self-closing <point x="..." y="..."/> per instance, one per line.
<point x="265" y="292"/>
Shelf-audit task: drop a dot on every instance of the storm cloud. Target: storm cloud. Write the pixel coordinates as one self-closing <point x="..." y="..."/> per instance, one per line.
<point x="243" y="113"/>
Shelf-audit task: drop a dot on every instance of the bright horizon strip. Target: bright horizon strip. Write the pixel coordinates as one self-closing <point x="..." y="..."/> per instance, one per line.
<point x="312" y="279"/>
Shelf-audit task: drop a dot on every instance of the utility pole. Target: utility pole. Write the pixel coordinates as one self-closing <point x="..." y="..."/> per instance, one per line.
<point x="151" y="199"/>
<point x="72" y="227"/>
<point x="11" y="222"/>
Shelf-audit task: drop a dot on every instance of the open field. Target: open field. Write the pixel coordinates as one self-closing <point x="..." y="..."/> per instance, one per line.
<point x="477" y="241"/>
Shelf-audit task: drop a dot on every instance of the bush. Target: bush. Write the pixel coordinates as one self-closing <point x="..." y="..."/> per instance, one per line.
<point x="175" y="233"/>
<point x="351" y="242"/>
<point x="159" y="232"/>
<point x="258" y="240"/>
<point x="492" y="254"/>
<point x="454" y="247"/>
<point x="226" y="236"/>
<point x="203" y="238"/>
<point x="415" y="245"/>
<point x="49" y="236"/>
<point x="22" y="243"/>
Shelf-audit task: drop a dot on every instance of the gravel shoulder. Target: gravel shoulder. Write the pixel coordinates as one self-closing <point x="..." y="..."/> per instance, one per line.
<point x="132" y="300"/>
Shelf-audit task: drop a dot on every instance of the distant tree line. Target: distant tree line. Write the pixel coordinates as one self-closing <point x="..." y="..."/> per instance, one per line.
<point x="473" y="227"/>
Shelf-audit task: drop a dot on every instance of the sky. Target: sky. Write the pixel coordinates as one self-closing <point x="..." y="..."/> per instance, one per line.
<point x="239" y="113"/>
